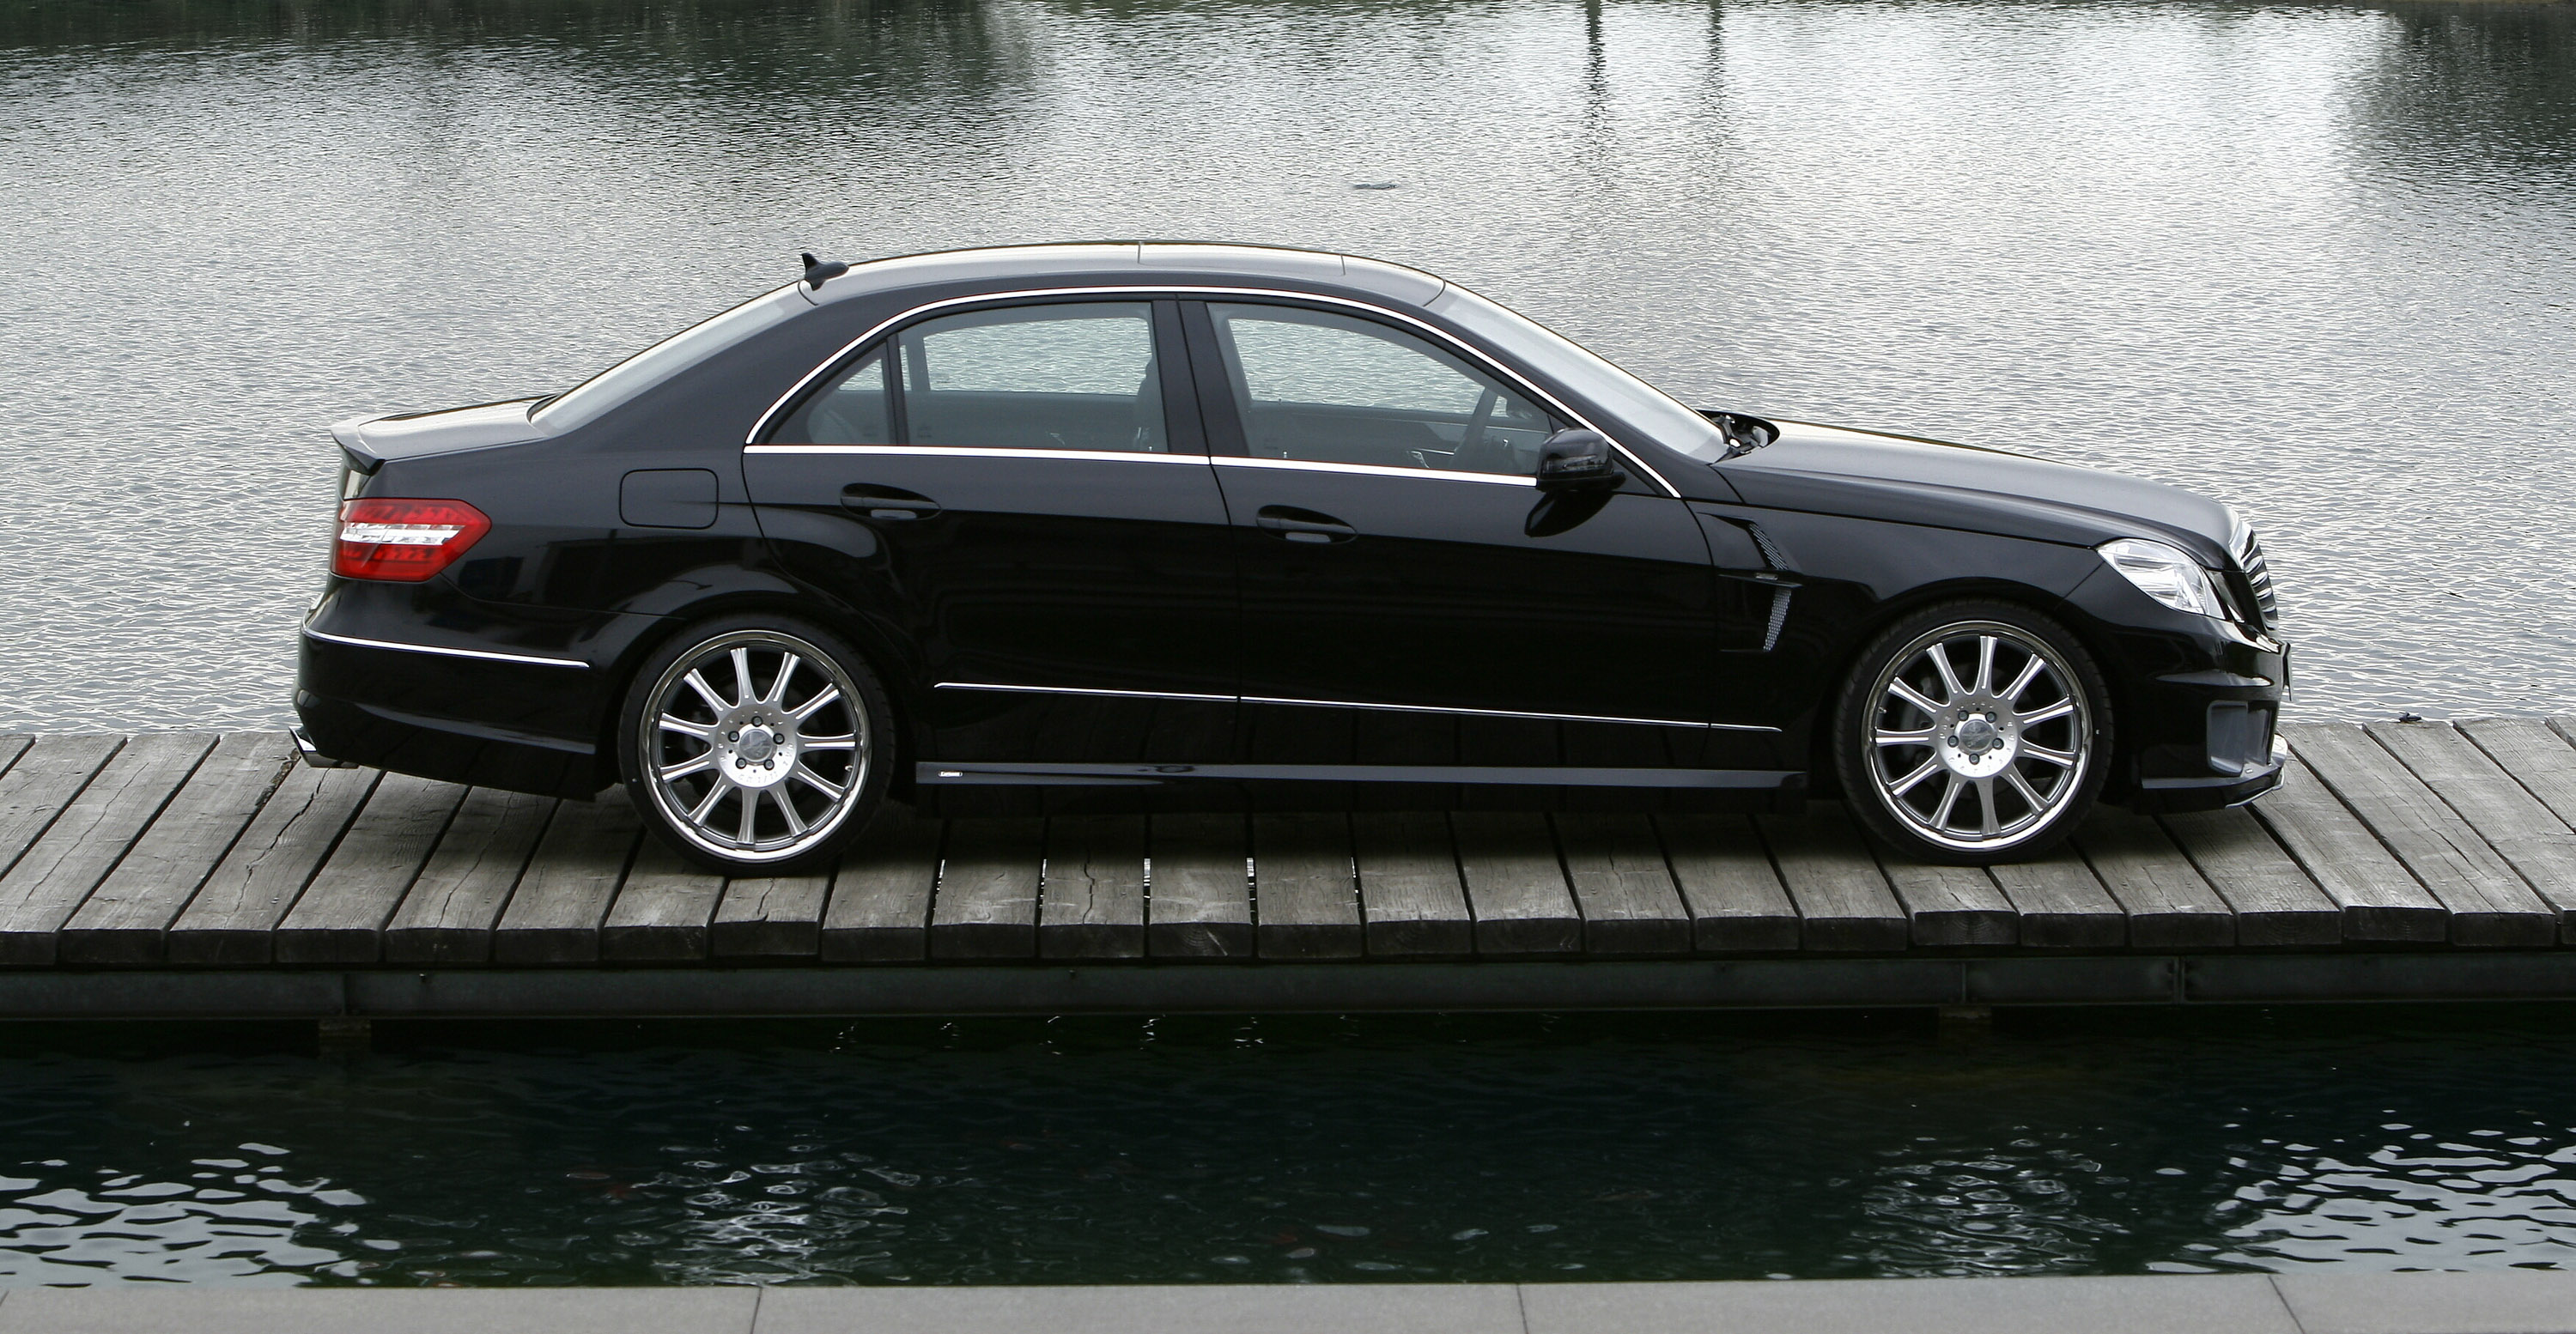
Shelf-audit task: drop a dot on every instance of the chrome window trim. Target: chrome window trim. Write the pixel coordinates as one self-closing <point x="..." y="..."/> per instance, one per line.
<point x="1372" y="470"/>
<point x="1352" y="704"/>
<point x="483" y="654"/>
<point x="984" y="452"/>
<point x="778" y="409"/>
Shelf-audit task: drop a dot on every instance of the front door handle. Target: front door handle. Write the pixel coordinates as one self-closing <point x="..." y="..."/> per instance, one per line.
<point x="1298" y="525"/>
<point x="887" y="502"/>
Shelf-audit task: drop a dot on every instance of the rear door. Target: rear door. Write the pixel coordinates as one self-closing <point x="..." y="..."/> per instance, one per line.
<point x="1022" y="493"/>
<point x="1410" y="598"/>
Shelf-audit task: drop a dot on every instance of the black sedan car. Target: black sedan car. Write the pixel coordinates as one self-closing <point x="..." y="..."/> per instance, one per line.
<point x="1160" y="526"/>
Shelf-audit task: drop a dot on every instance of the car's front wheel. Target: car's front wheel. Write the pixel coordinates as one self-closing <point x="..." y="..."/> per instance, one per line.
<point x="751" y="744"/>
<point x="1973" y="733"/>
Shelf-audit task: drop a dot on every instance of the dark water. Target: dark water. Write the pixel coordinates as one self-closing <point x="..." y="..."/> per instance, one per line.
<point x="2318" y="259"/>
<point x="1273" y="1150"/>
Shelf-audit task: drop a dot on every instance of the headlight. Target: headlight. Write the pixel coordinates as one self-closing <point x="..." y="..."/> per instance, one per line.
<point x="2165" y="574"/>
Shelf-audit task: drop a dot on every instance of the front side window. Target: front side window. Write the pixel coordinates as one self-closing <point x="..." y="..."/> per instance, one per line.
<point x="1331" y="388"/>
<point x="1077" y="376"/>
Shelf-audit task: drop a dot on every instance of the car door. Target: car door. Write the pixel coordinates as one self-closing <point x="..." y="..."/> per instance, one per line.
<point x="1411" y="599"/>
<point x="1020" y="493"/>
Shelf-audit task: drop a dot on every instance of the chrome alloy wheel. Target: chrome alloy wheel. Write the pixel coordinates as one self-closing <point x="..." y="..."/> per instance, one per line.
<point x="756" y="744"/>
<point x="1979" y="735"/>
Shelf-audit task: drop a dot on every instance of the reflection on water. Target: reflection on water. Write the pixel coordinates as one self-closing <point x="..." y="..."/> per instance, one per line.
<point x="2318" y="259"/>
<point x="1280" y="1150"/>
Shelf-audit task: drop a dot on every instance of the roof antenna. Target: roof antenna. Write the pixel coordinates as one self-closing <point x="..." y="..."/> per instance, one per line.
<point x="818" y="273"/>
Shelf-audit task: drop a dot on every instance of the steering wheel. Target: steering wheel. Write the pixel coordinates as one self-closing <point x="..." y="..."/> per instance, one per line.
<point x="1471" y="444"/>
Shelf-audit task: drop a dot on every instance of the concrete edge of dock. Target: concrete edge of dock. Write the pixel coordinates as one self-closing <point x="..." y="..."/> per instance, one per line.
<point x="1492" y="985"/>
<point x="2501" y="1302"/>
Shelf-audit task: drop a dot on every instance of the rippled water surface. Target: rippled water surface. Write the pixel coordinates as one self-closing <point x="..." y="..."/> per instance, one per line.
<point x="2318" y="259"/>
<point x="1276" y="1150"/>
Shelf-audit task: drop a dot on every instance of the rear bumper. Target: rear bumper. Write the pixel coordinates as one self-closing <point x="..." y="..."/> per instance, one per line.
<point x="458" y="692"/>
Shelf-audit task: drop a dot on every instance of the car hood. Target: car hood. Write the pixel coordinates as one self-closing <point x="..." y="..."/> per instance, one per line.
<point x="369" y="441"/>
<point x="1833" y="470"/>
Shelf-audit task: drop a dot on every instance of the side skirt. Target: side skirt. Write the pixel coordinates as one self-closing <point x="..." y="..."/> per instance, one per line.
<point x="995" y="774"/>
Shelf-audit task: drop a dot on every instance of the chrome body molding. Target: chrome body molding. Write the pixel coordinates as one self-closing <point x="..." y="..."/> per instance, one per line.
<point x="1371" y="470"/>
<point x="476" y="653"/>
<point x="779" y="408"/>
<point x="972" y="774"/>
<point x="1353" y="704"/>
<point x="1083" y="690"/>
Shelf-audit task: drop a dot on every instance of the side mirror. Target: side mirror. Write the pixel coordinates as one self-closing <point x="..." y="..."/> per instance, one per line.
<point x="1579" y="460"/>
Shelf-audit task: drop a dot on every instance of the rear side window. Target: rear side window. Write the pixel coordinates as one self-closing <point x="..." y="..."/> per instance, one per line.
<point x="1078" y="376"/>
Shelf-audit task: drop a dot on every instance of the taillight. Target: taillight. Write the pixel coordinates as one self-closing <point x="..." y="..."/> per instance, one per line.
<point x="405" y="540"/>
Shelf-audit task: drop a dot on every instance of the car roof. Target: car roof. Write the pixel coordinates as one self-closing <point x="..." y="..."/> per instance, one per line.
<point x="1149" y="261"/>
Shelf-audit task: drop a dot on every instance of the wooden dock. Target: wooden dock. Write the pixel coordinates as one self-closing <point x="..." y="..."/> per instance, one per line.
<point x="203" y="873"/>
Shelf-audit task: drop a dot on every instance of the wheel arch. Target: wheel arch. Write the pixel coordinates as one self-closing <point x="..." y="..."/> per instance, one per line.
<point x="1858" y="634"/>
<point x="895" y="669"/>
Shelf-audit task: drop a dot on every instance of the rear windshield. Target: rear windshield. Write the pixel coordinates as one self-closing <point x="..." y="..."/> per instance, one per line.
<point x="667" y="358"/>
<point x="1641" y="405"/>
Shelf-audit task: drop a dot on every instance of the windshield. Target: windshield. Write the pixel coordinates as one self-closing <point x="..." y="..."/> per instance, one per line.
<point x="664" y="359"/>
<point x="1636" y="402"/>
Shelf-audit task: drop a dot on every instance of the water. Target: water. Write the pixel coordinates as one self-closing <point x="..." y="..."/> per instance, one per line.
<point x="2318" y="259"/>
<point x="1294" y="1150"/>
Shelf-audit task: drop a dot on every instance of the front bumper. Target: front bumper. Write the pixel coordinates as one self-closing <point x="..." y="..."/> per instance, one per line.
<point x="2198" y="702"/>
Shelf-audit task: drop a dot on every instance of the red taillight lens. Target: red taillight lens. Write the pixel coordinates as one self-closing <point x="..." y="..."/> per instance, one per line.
<point x="405" y="540"/>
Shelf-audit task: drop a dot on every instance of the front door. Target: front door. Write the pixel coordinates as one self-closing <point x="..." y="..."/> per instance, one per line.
<point x="1020" y="494"/>
<point x="1411" y="600"/>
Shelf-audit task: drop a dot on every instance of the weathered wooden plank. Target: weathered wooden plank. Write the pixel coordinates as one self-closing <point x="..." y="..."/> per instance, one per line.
<point x="772" y="917"/>
<point x="1735" y="898"/>
<point x="2276" y="903"/>
<point x="341" y="917"/>
<point x="1844" y="903"/>
<point x="1948" y="907"/>
<point x="987" y="905"/>
<point x="1410" y="896"/>
<point x="2489" y="903"/>
<point x="86" y="838"/>
<point x="1308" y="891"/>
<point x="562" y="900"/>
<point x="1626" y="891"/>
<point x="1515" y="886"/>
<point x="2380" y="900"/>
<point x="449" y="914"/>
<point x="664" y="909"/>
<point x="880" y="908"/>
<point x="2519" y="826"/>
<point x="13" y="745"/>
<point x="2062" y="904"/>
<point x="233" y="918"/>
<point x="44" y="780"/>
<point x="124" y="920"/>
<point x="1201" y="906"/>
<point x="2171" y="907"/>
<point x="1092" y="905"/>
<point x="2537" y="755"/>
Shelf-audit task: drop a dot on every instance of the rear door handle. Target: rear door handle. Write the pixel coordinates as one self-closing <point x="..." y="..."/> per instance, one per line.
<point x="1298" y="525"/>
<point x="887" y="502"/>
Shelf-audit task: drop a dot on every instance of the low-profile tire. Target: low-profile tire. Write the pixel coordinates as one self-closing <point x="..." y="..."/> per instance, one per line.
<point x="755" y="744"/>
<point x="1972" y="733"/>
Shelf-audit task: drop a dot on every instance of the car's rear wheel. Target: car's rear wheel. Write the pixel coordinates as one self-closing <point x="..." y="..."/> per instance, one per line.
<point x="1973" y="733"/>
<point x="751" y="744"/>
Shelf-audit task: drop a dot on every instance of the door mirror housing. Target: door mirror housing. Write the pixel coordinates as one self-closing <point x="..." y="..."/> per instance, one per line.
<point x="1578" y="460"/>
